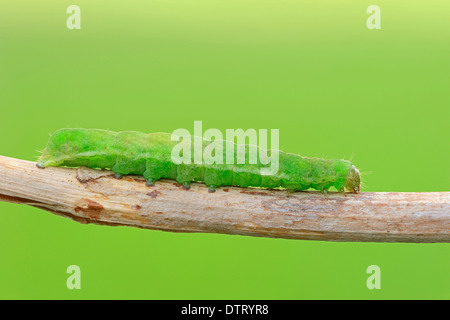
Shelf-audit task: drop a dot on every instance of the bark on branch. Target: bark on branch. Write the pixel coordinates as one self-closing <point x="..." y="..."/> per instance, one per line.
<point x="93" y="196"/>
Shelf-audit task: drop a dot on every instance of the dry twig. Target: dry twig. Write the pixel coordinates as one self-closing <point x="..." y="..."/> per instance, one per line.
<point x="93" y="196"/>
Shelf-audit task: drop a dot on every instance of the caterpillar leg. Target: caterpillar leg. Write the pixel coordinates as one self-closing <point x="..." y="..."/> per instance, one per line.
<point x="211" y="188"/>
<point x="124" y="166"/>
<point x="154" y="171"/>
<point x="324" y="190"/>
<point x="186" y="185"/>
<point x="185" y="174"/>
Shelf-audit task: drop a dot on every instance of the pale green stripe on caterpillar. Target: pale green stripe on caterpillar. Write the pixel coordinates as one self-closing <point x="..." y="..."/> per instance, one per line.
<point x="149" y="155"/>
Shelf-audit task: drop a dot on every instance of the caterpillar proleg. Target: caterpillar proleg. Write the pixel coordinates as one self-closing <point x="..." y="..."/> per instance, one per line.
<point x="149" y="155"/>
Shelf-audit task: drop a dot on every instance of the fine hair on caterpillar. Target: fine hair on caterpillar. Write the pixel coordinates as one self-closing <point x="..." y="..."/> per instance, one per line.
<point x="192" y="149"/>
<point x="206" y="158"/>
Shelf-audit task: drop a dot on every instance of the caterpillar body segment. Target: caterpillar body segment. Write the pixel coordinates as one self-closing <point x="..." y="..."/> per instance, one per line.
<point x="150" y="155"/>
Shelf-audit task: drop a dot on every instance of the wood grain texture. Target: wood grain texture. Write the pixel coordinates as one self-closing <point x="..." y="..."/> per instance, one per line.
<point x="93" y="196"/>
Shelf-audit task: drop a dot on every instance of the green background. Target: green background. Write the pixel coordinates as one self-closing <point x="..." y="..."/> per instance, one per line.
<point x="309" y="68"/>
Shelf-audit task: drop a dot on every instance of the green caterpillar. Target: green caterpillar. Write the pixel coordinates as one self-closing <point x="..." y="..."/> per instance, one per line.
<point x="149" y="155"/>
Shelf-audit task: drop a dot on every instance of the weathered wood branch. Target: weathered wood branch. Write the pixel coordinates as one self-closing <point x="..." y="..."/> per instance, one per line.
<point x="93" y="196"/>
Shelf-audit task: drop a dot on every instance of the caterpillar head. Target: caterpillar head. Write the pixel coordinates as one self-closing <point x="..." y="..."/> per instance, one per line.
<point x="353" y="183"/>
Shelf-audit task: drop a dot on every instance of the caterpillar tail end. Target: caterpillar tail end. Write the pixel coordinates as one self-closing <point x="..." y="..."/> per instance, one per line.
<point x="41" y="164"/>
<point x="353" y="180"/>
<point x="47" y="160"/>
